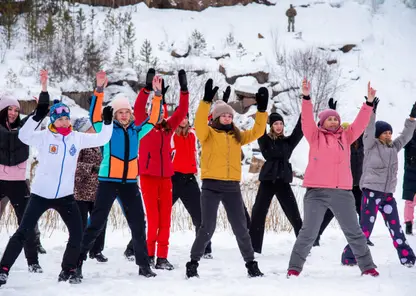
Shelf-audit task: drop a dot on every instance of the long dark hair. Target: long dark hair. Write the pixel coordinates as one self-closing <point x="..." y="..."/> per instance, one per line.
<point x="235" y="131"/>
<point x="4" y="119"/>
<point x="165" y="126"/>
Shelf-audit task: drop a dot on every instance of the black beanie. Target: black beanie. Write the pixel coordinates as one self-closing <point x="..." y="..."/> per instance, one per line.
<point x="273" y="117"/>
<point x="381" y="127"/>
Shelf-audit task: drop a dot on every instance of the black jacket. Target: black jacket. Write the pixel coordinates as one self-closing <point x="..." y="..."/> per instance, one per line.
<point x="409" y="178"/>
<point x="357" y="158"/>
<point x="277" y="154"/>
<point x="12" y="150"/>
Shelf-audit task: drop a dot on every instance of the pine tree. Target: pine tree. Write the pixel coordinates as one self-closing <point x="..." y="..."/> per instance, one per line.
<point x="198" y="42"/>
<point x="241" y="51"/>
<point x="110" y="25"/>
<point x="129" y="39"/>
<point x="81" y="20"/>
<point x="8" y="18"/>
<point x="93" y="58"/>
<point x="119" y="58"/>
<point x="48" y="34"/>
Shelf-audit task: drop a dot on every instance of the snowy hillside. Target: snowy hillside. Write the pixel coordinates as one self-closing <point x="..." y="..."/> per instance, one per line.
<point x="384" y="35"/>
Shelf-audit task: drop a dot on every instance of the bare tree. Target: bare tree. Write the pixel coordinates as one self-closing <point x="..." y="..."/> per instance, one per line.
<point x="313" y="64"/>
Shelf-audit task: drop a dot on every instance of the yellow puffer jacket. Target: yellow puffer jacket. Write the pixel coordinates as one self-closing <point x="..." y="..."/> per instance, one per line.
<point x="221" y="153"/>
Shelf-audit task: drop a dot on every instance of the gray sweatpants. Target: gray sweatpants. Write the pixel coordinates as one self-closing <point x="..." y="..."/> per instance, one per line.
<point x="342" y="204"/>
<point x="229" y="193"/>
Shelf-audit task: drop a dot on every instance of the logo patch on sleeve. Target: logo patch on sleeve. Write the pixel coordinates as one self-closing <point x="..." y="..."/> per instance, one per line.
<point x="53" y="149"/>
<point x="72" y="150"/>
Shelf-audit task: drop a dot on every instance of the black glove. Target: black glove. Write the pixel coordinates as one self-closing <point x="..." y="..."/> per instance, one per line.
<point x="107" y="115"/>
<point x="332" y="104"/>
<point x="95" y="169"/>
<point x="413" y="112"/>
<point x="262" y="98"/>
<point x="149" y="79"/>
<point x="43" y="107"/>
<point x="375" y="104"/>
<point x="226" y="95"/>
<point x="183" y="82"/>
<point x="209" y="91"/>
<point x="164" y="90"/>
<point x="371" y="104"/>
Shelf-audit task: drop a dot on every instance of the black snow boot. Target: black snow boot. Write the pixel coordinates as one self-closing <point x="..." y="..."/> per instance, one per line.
<point x="409" y="227"/>
<point x="99" y="257"/>
<point x="35" y="268"/>
<point x="129" y="254"/>
<point x="152" y="261"/>
<point x="146" y="271"/>
<point x="71" y="276"/>
<point x="370" y="243"/>
<point x="4" y="275"/>
<point x="316" y="243"/>
<point x="163" y="263"/>
<point x="192" y="269"/>
<point x="41" y="249"/>
<point x="79" y="269"/>
<point x="253" y="269"/>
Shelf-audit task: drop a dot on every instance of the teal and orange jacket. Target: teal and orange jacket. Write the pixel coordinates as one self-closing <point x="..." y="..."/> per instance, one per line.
<point x="119" y="162"/>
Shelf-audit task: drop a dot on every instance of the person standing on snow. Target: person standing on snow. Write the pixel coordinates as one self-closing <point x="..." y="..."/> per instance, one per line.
<point x="86" y="184"/>
<point x="118" y="173"/>
<point x="291" y="13"/>
<point x="328" y="181"/>
<point x="221" y="174"/>
<point x="409" y="183"/>
<point x="13" y="162"/>
<point x="379" y="181"/>
<point x="357" y="157"/>
<point x="53" y="185"/>
<point x="184" y="183"/>
<point x="275" y="178"/>
<point x="156" y="170"/>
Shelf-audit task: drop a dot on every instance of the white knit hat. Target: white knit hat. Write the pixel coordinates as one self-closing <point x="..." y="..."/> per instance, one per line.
<point x="219" y="108"/>
<point x="6" y="101"/>
<point x="119" y="102"/>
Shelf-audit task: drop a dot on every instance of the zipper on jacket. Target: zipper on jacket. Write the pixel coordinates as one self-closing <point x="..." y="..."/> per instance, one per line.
<point x="148" y="160"/>
<point x="161" y="154"/>
<point x="62" y="168"/>
<point x="228" y="156"/>
<point x="126" y="155"/>
<point x="340" y="144"/>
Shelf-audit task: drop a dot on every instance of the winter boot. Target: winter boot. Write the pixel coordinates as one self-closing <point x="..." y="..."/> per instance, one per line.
<point x="163" y="263"/>
<point x="79" y="269"/>
<point x="316" y="243"/>
<point x="35" y="268"/>
<point x="146" y="271"/>
<point x="72" y="276"/>
<point x="41" y="249"/>
<point x="253" y="269"/>
<point x="207" y="256"/>
<point x="152" y="261"/>
<point x="370" y="243"/>
<point x="4" y="275"/>
<point x="409" y="228"/>
<point x="99" y="257"/>
<point x="192" y="269"/>
<point x="129" y="254"/>
<point x="292" y="272"/>
<point x="373" y="272"/>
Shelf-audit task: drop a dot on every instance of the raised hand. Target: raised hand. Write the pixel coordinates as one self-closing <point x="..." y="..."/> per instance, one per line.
<point x="262" y="98"/>
<point x="210" y="91"/>
<point x="164" y="90"/>
<point x="375" y="104"/>
<point x="149" y="78"/>
<point x="108" y="115"/>
<point x="44" y="80"/>
<point x="157" y="85"/>
<point x="306" y="87"/>
<point x="226" y="95"/>
<point x="332" y="104"/>
<point x="371" y="93"/>
<point x="183" y="81"/>
<point x="101" y="80"/>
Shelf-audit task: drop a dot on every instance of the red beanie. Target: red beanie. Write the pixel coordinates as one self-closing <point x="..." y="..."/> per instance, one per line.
<point x="325" y="114"/>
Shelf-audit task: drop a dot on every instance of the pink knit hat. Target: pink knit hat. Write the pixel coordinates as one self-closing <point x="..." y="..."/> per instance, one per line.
<point x="6" y="101"/>
<point x="121" y="102"/>
<point x="325" y="114"/>
<point x="219" y="108"/>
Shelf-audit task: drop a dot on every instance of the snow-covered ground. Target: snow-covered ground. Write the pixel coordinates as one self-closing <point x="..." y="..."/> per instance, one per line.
<point x="224" y="275"/>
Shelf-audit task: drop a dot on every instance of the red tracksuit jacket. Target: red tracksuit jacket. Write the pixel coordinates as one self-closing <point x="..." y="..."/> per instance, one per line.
<point x="184" y="153"/>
